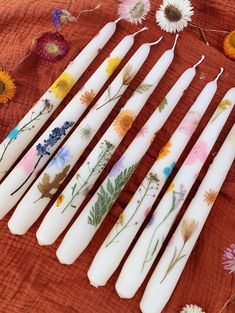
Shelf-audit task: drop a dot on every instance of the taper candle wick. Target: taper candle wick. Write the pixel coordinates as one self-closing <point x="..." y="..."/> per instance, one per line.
<point x="155" y="42"/>
<point x="118" y="20"/>
<point x="220" y="73"/>
<point x="199" y="62"/>
<point x="141" y="30"/>
<point x="176" y="39"/>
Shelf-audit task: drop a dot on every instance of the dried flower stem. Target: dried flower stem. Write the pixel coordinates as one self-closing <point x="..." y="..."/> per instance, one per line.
<point x="230" y="301"/>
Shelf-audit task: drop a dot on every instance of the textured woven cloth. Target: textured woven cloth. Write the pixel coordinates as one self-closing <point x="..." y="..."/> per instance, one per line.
<point x="32" y="280"/>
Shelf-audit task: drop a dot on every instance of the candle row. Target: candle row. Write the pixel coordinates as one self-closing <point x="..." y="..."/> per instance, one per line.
<point x="19" y="179"/>
<point x="120" y="237"/>
<point x="172" y="263"/>
<point x="28" y="127"/>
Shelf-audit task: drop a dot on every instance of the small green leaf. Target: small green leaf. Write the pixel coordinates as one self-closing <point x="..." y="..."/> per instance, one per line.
<point x="162" y="105"/>
<point x="110" y="187"/>
<point x="143" y="88"/>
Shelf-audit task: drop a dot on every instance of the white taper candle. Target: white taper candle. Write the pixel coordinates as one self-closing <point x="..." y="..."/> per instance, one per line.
<point x="150" y="242"/>
<point x="123" y="232"/>
<point x="97" y="208"/>
<point x="28" y="127"/>
<point x="172" y="263"/>
<point x="59" y="215"/>
<point x="22" y="175"/>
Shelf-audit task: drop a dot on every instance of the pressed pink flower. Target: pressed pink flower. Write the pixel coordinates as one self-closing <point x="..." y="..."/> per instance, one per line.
<point x="143" y="131"/>
<point x="51" y="47"/>
<point x="229" y="259"/>
<point x="198" y="153"/>
<point x="134" y="11"/>
<point x="189" y="123"/>
<point x="28" y="161"/>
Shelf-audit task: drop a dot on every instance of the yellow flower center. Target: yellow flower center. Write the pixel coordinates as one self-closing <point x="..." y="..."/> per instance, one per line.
<point x="63" y="84"/>
<point x="126" y="122"/>
<point x="172" y="13"/>
<point x="2" y="87"/>
<point x="52" y="48"/>
<point x="232" y="40"/>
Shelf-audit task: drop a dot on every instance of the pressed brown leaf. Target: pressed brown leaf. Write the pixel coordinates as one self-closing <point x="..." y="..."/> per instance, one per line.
<point x="46" y="187"/>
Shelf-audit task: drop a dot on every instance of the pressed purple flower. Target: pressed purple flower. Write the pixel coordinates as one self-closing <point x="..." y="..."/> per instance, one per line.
<point x="56" y="14"/>
<point x="60" y="17"/>
<point x="229" y="259"/>
<point x="117" y="167"/>
<point x="51" y="47"/>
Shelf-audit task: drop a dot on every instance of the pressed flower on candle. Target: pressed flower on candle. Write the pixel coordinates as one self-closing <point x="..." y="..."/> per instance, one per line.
<point x="134" y="11"/>
<point x="198" y="153"/>
<point x="174" y="15"/>
<point x="164" y="151"/>
<point x="112" y="65"/>
<point x="188" y="228"/>
<point x="229" y="259"/>
<point x="229" y="45"/>
<point x="41" y="150"/>
<point x="7" y="87"/>
<point x="210" y="196"/>
<point x="87" y="97"/>
<point x="190" y="123"/>
<point x="86" y="132"/>
<point x="62" y="85"/>
<point x="123" y="122"/>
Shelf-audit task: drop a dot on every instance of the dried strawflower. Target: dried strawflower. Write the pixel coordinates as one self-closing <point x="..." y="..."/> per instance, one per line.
<point x="229" y="259"/>
<point x="134" y="11"/>
<point x="229" y="45"/>
<point x="174" y="15"/>
<point x="51" y="47"/>
<point x="7" y="87"/>
<point x="192" y="308"/>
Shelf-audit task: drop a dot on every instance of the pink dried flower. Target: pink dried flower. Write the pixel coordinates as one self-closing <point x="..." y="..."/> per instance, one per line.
<point x="51" y="47"/>
<point x="134" y="11"/>
<point x="198" y="153"/>
<point x="28" y="161"/>
<point x="229" y="259"/>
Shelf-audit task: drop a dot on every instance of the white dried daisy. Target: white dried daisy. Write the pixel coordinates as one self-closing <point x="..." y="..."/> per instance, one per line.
<point x="134" y="11"/>
<point x="174" y="15"/>
<point x="192" y="308"/>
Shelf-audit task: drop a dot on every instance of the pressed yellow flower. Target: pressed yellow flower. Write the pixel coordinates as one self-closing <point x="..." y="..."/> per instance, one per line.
<point x="112" y="65"/>
<point x="123" y="122"/>
<point x="188" y="227"/>
<point x="62" y="85"/>
<point x="210" y="196"/>
<point x="7" y="87"/>
<point x="171" y="187"/>
<point x="229" y="45"/>
<point x="164" y="151"/>
<point x="59" y="200"/>
<point x="87" y="97"/>
<point x="121" y="219"/>
<point x="224" y="104"/>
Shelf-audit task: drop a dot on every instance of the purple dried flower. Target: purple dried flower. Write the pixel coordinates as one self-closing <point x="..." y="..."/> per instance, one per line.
<point x="229" y="259"/>
<point x="60" y="17"/>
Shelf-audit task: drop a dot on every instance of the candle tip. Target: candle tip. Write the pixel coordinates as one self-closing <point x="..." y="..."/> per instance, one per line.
<point x="118" y="20"/>
<point x="200" y="61"/>
<point x="175" y="42"/>
<point x="156" y="42"/>
<point x="220" y="73"/>
<point x="141" y="30"/>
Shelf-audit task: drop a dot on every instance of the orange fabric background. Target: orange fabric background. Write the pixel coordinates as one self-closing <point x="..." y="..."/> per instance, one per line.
<point x="32" y="280"/>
